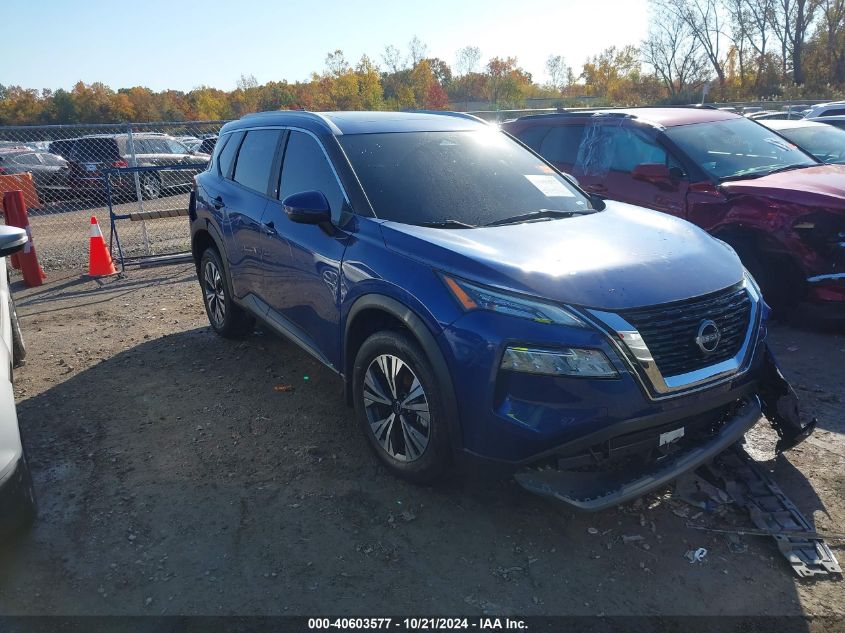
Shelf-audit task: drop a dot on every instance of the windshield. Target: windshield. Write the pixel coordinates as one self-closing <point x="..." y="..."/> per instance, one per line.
<point x="472" y="177"/>
<point x="825" y="142"/>
<point x="737" y="148"/>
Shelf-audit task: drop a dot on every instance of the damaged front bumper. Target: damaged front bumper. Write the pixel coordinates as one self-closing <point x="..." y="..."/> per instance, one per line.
<point x="607" y="481"/>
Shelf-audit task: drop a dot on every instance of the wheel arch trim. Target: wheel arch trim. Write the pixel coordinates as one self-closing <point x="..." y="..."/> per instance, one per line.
<point x="418" y="329"/>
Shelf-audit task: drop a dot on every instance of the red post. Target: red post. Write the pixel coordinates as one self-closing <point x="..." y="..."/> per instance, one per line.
<point x="13" y="201"/>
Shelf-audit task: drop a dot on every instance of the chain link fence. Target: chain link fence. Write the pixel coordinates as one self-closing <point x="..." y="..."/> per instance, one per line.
<point x="61" y="170"/>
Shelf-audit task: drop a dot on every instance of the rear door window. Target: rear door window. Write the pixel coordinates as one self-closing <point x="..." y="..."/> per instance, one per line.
<point x="533" y="136"/>
<point x="255" y="159"/>
<point x="560" y="145"/>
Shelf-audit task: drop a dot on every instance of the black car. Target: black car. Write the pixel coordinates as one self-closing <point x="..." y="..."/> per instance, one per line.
<point x="89" y="155"/>
<point x="50" y="172"/>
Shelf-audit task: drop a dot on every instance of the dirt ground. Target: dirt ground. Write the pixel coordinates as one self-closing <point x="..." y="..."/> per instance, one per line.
<point x="174" y="479"/>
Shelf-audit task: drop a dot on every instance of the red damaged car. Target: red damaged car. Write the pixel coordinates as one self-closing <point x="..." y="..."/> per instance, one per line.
<point x="780" y="208"/>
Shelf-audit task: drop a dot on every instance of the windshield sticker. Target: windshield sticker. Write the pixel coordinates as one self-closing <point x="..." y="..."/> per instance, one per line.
<point x="549" y="186"/>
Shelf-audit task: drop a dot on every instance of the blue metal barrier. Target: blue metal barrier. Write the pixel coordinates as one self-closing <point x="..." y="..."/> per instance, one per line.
<point x="114" y="218"/>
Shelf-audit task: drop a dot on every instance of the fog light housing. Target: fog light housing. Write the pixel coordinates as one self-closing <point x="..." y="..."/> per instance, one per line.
<point x="569" y="361"/>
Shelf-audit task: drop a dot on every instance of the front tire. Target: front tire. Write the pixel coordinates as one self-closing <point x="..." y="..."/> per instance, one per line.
<point x="227" y="318"/>
<point x="400" y="408"/>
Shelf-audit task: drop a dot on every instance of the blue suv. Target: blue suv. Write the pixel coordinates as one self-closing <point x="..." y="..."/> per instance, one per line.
<point x="475" y="302"/>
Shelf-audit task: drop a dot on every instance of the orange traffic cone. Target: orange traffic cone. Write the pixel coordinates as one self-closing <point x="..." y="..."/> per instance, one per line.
<point x="99" y="259"/>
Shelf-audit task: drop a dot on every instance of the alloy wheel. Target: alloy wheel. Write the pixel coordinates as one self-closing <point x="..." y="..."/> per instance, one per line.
<point x="152" y="187"/>
<point x="214" y="293"/>
<point x="397" y="408"/>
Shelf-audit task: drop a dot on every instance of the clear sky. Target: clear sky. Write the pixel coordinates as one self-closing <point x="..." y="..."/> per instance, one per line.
<point x="182" y="44"/>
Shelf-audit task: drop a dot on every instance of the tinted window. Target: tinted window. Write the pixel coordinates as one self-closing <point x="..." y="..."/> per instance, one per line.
<point x="95" y="149"/>
<point x="736" y="148"/>
<point x="226" y="157"/>
<point x="255" y="159"/>
<point x="824" y="142"/>
<point x="561" y="143"/>
<point x="52" y="160"/>
<point x="175" y="147"/>
<point x="27" y="159"/>
<point x="307" y="169"/>
<point x="474" y="177"/>
<point x="834" y="112"/>
<point x="533" y="136"/>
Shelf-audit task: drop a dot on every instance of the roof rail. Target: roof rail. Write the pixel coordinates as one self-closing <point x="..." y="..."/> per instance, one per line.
<point x="314" y="115"/>
<point x="453" y="113"/>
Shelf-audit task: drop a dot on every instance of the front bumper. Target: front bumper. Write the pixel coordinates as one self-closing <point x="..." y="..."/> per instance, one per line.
<point x="598" y="490"/>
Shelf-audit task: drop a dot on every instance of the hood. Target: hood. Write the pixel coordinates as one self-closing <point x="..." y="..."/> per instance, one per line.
<point x="817" y="186"/>
<point x="622" y="257"/>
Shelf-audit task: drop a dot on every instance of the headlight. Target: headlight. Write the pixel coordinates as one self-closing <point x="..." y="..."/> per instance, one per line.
<point x="564" y="362"/>
<point x="472" y="297"/>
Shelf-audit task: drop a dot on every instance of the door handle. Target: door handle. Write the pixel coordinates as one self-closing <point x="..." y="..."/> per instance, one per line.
<point x="270" y="228"/>
<point x="218" y="203"/>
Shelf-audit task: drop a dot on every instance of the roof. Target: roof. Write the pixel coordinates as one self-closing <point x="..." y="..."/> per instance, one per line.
<point x="363" y="122"/>
<point x="665" y="116"/>
<point x="791" y="124"/>
<point x="670" y="117"/>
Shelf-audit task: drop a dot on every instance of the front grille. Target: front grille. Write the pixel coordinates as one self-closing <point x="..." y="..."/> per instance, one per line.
<point x="670" y="330"/>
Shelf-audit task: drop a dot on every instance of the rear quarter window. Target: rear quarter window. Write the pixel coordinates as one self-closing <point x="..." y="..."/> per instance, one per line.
<point x="227" y="150"/>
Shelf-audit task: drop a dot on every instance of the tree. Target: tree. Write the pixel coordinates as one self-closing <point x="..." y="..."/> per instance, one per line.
<point x="467" y="60"/>
<point x="705" y="21"/>
<point x="558" y="72"/>
<point x="791" y="20"/>
<point x="417" y="50"/>
<point x="393" y="59"/>
<point x="505" y="81"/>
<point x="675" y="54"/>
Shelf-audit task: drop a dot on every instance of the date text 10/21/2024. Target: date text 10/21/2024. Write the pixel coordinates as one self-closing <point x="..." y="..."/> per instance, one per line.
<point x="419" y="624"/>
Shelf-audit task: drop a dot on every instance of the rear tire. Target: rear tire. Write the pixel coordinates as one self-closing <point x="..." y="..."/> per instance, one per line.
<point x="227" y="318"/>
<point x="400" y="407"/>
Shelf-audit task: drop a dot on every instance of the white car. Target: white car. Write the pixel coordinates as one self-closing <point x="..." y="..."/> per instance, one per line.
<point x="17" y="496"/>
<point x="834" y="108"/>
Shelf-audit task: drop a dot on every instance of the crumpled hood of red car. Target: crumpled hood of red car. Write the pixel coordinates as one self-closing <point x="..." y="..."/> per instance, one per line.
<point x="817" y="186"/>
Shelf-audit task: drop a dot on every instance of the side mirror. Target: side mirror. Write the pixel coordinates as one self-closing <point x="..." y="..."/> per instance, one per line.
<point x="12" y="239"/>
<point x="307" y="207"/>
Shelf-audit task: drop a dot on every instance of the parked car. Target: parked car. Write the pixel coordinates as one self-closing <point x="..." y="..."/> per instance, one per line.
<point x="824" y="142"/>
<point x="207" y="145"/>
<point x="191" y="142"/>
<point x="787" y="115"/>
<point x="49" y="171"/>
<point x="837" y="120"/>
<point x="776" y="205"/>
<point x="834" y="108"/>
<point x="476" y="303"/>
<point x="61" y="147"/>
<point x="17" y="495"/>
<point x="89" y="155"/>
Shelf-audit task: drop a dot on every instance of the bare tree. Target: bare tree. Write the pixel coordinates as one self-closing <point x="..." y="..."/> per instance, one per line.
<point x="760" y="15"/>
<point x="467" y="60"/>
<point x="705" y="21"/>
<point x="833" y="25"/>
<point x="675" y="53"/>
<point x="393" y="59"/>
<point x="417" y="50"/>
<point x="739" y="33"/>
<point x="792" y="20"/>
<point x="558" y="72"/>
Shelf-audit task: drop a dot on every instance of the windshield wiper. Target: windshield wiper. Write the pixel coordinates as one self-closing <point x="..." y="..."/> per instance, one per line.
<point x="536" y="215"/>
<point x="447" y="224"/>
<point x="763" y="172"/>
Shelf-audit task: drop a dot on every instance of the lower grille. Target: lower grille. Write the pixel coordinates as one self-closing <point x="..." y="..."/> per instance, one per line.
<point x="670" y="330"/>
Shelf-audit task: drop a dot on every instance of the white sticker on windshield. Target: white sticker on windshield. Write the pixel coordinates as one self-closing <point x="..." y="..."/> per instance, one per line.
<point x="550" y="186"/>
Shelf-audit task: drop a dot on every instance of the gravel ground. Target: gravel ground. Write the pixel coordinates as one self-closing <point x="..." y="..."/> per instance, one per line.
<point x="174" y="479"/>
